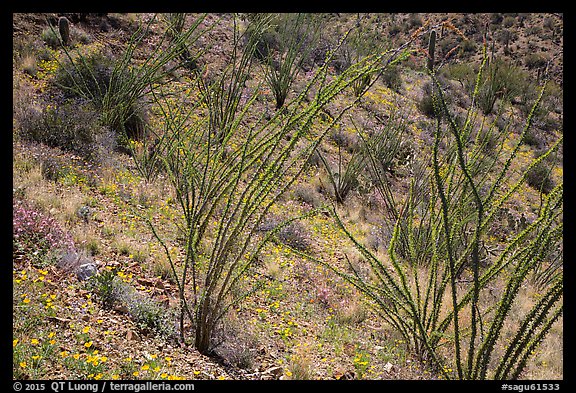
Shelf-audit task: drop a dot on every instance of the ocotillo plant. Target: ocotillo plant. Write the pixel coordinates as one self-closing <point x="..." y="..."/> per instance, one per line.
<point x="297" y="34"/>
<point x="223" y="94"/>
<point x="117" y="92"/>
<point x="359" y="45"/>
<point x="344" y="178"/>
<point x="226" y="184"/>
<point x="462" y="204"/>
<point x="175" y="29"/>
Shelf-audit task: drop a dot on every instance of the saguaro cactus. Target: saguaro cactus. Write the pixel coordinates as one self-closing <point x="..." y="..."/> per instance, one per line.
<point x="64" y="28"/>
<point x="431" y="46"/>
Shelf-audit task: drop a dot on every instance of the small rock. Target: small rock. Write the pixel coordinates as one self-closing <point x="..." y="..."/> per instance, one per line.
<point x="388" y="367"/>
<point x="275" y="371"/>
<point x="343" y="374"/>
<point x="84" y="212"/>
<point x="85" y="271"/>
<point x="132" y="336"/>
<point x="121" y="309"/>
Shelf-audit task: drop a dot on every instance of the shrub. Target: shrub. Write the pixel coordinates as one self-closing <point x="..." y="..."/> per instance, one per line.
<point x="295" y="236"/>
<point x="392" y="78"/>
<point x="296" y="36"/>
<point x="52" y="168"/>
<point x="533" y="139"/>
<point x="414" y="20"/>
<point x="175" y="28"/>
<point x="464" y="74"/>
<point x="468" y="46"/>
<point x="549" y="23"/>
<point x="148" y="314"/>
<point x="344" y="177"/>
<point x="73" y="261"/>
<point x="539" y="178"/>
<point x="535" y="60"/>
<point x="264" y="41"/>
<point x="238" y="187"/>
<point x="50" y="37"/>
<point x="308" y="194"/>
<point x="105" y="288"/>
<point x="116" y="86"/>
<point x="496" y="18"/>
<point x="426" y="105"/>
<point x="237" y="345"/>
<point x="395" y="29"/>
<point x="501" y="80"/>
<point x="509" y="21"/>
<point x="72" y="126"/>
<point x="300" y="367"/>
<point x="95" y="74"/>
<point x="361" y="43"/>
<point x="344" y="139"/>
<point x="36" y="234"/>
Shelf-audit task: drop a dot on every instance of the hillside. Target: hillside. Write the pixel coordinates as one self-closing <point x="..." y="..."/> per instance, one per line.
<point x="234" y="197"/>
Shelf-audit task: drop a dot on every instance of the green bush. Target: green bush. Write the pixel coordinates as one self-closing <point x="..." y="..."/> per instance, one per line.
<point x="50" y="37"/>
<point x="295" y="236"/>
<point x="105" y="287"/>
<point x="463" y="73"/>
<point x="509" y="21"/>
<point x="426" y="104"/>
<point x="538" y="177"/>
<point x="73" y="126"/>
<point x="535" y="60"/>
<point x="94" y="73"/>
<point x="52" y="168"/>
<point x="414" y="20"/>
<point x="392" y="78"/>
<point x="501" y="80"/>
<point x="468" y="46"/>
<point x="118" y="86"/>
